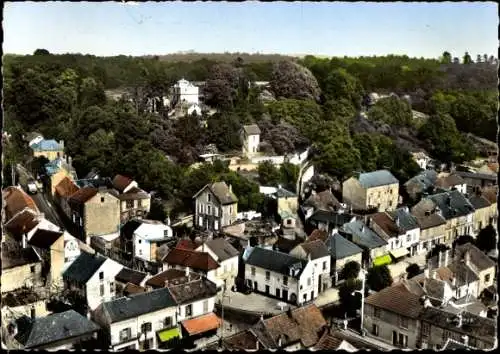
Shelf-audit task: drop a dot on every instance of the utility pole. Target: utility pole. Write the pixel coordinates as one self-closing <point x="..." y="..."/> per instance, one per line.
<point x="363" y="274"/>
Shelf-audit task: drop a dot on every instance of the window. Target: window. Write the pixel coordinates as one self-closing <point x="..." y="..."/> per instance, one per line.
<point x="146" y="327"/>
<point x="209" y="209"/>
<point x="426" y="329"/>
<point x="140" y="252"/>
<point x="289" y="222"/>
<point x="101" y="275"/>
<point x="140" y="241"/>
<point x="408" y="238"/>
<point x="305" y="297"/>
<point x="216" y="212"/>
<point x="32" y="269"/>
<point x="139" y="203"/>
<point x="268" y="275"/>
<point x="102" y="199"/>
<point x="101" y="290"/>
<point x="111" y="287"/>
<point x="205" y="306"/>
<point x="403" y="322"/>
<point x="252" y="271"/>
<point x="324" y="265"/>
<point x="33" y="312"/>
<point x="376" y="313"/>
<point x="375" y="330"/>
<point x="308" y="281"/>
<point x="188" y="310"/>
<point x="285" y="280"/>
<point x="209" y="197"/>
<point x="486" y="278"/>
<point x="130" y="204"/>
<point x="125" y="334"/>
<point x="167" y="322"/>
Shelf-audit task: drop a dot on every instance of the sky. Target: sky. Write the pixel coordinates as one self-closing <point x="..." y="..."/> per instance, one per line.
<point x="298" y="28"/>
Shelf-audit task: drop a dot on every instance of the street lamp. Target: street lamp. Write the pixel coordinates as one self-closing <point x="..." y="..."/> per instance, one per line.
<point x="362" y="272"/>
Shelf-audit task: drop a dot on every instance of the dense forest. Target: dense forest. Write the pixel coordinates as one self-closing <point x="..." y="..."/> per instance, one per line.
<point x="310" y="101"/>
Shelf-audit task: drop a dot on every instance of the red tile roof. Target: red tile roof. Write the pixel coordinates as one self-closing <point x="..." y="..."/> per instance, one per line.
<point x="83" y="195"/>
<point x="22" y="223"/>
<point x="398" y="299"/>
<point x="66" y="188"/>
<point x="121" y="182"/>
<point x="192" y="259"/>
<point x="186" y="244"/>
<point x="201" y="324"/>
<point x="317" y="235"/>
<point x="133" y="289"/>
<point x="173" y="276"/>
<point x="17" y="200"/>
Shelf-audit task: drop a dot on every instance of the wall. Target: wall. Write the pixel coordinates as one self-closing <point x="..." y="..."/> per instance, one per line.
<point x="290" y="203"/>
<point x="389" y="322"/>
<point x="340" y="263"/>
<point x="317" y="273"/>
<point x="430" y="234"/>
<point x="354" y="194"/>
<point x="110" y="269"/>
<point x="102" y="218"/>
<point x="71" y="249"/>
<point x="50" y="155"/>
<point x="276" y="160"/>
<point x="483" y="284"/>
<point x="57" y="256"/>
<point x="481" y="219"/>
<point x="386" y="196"/>
<point x="9" y="313"/>
<point x="435" y="335"/>
<point x="143" y="209"/>
<point x="250" y="144"/>
<point x="197" y="309"/>
<point x="56" y="178"/>
<point x="275" y="282"/>
<point x="17" y="277"/>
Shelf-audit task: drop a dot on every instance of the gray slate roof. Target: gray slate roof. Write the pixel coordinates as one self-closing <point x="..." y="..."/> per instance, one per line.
<point x="251" y="129"/>
<point x="127" y="275"/>
<point x="129" y="307"/>
<point x="46" y="330"/>
<point x="283" y="193"/>
<point x="376" y="178"/>
<point x="462" y="273"/>
<point x="336" y="219"/>
<point x="275" y="261"/>
<point x="84" y="267"/>
<point x="406" y="220"/>
<point x="340" y="247"/>
<point x="223" y="249"/>
<point x="476" y="176"/>
<point x="452" y="204"/>
<point x="221" y="192"/>
<point x="477" y="257"/>
<point x="19" y="257"/>
<point x="197" y="290"/>
<point x="479" y="202"/>
<point x="425" y="179"/>
<point x="362" y="235"/>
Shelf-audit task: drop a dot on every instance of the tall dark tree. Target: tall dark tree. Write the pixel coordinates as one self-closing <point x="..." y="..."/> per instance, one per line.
<point x="291" y="80"/>
<point x="412" y="270"/>
<point x="487" y="239"/>
<point x="351" y="270"/>
<point x="379" y="277"/>
<point x="446" y="58"/>
<point x="467" y="58"/>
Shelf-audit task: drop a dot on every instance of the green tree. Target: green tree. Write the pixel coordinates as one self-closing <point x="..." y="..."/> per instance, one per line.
<point x="412" y="270"/>
<point x="487" y="239"/>
<point x="351" y="270"/>
<point x="393" y="111"/>
<point x="223" y="129"/>
<point x="467" y="58"/>
<point x="379" y="277"/>
<point x="289" y="173"/>
<point x="293" y="81"/>
<point x="446" y="58"/>
<point x="350" y="302"/>
<point x="269" y="175"/>
<point x="339" y="84"/>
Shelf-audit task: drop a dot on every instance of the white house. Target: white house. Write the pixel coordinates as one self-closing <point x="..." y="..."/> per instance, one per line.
<point x="147" y="238"/>
<point x="421" y="158"/>
<point x="400" y="230"/>
<point x="250" y="138"/>
<point x="93" y="276"/>
<point x="33" y="138"/>
<point x="318" y="253"/>
<point x="281" y="275"/>
<point x="194" y="108"/>
<point x="226" y="256"/>
<point x="184" y="91"/>
<point x="139" y="321"/>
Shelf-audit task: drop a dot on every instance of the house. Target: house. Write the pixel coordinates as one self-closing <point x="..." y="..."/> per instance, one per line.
<point x="194" y="109"/>
<point x="50" y="246"/>
<point x="65" y="330"/>
<point x="341" y="251"/>
<point x="477" y="180"/>
<point x="332" y="341"/>
<point x="134" y="202"/>
<point x="438" y="292"/>
<point x="281" y="275"/>
<point x="432" y="226"/>
<point x="215" y="206"/>
<point x="490" y="168"/>
<point x="401" y="231"/>
<point x="482" y="212"/>
<point x="422" y="183"/>
<point x="184" y="91"/>
<point x="392" y="315"/>
<point x="378" y="189"/>
<point x="64" y="190"/>
<point x="50" y="149"/>
<point x="374" y="247"/>
<point x="170" y="277"/>
<point x="33" y="138"/>
<point x="454" y="208"/>
<point x="437" y="326"/>
<point x="138" y="321"/>
<point x="148" y="238"/>
<point x="450" y="181"/>
<point x="20" y="211"/>
<point x="226" y="256"/>
<point x="491" y="194"/>
<point x="95" y="212"/>
<point x="324" y="200"/>
<point x="462" y="280"/>
<point x="250" y="139"/>
<point x="128" y="277"/>
<point x="317" y="252"/>
<point x="55" y="172"/>
<point x="93" y="277"/>
<point x="328" y="221"/>
<point x="200" y="262"/>
<point x="23" y="302"/>
<point x="21" y="267"/>
<point x="479" y="263"/>
<point x="285" y="245"/>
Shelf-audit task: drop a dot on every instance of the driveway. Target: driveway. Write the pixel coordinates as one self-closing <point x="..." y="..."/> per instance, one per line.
<point x="399" y="269"/>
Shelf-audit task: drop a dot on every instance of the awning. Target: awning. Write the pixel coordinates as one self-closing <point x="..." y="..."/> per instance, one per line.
<point x="400" y="252"/>
<point x="201" y="324"/>
<point x="168" y="334"/>
<point x="382" y="260"/>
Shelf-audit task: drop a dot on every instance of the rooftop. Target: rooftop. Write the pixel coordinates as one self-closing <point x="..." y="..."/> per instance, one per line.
<point x="121" y="182"/>
<point x="192" y="259"/>
<point x="16" y="200"/>
<point x="127" y="275"/>
<point x="47" y="145"/>
<point x="324" y="200"/>
<point x="397" y="299"/>
<point x="362" y="235"/>
<point x="201" y="324"/>
<point x="276" y="261"/>
<point x="222" y="249"/>
<point x="452" y="204"/>
<point x="192" y="291"/>
<point x="84" y="267"/>
<point x="83" y="195"/>
<point x="18" y="257"/>
<point x="44" y="238"/>
<point x="66" y="188"/>
<point x="252" y="129"/>
<point x="376" y="179"/>
<point x="340" y="247"/>
<point x="20" y="297"/>
<point x="172" y="276"/>
<point x="221" y="191"/>
<point x="477" y="257"/>
<point x="316" y="249"/>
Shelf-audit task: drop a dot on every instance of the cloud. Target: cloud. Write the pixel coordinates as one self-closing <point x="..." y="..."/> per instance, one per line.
<point x="130" y="3"/>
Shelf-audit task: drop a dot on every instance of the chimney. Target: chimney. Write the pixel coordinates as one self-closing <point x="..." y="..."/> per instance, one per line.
<point x="61" y="143"/>
<point x="166" y="283"/>
<point x="465" y="339"/>
<point x="187" y="272"/>
<point x="448" y="201"/>
<point x="467" y="259"/>
<point x="427" y="273"/>
<point x="434" y="274"/>
<point x="397" y="221"/>
<point x="440" y="259"/>
<point x="309" y="257"/>
<point x="453" y="281"/>
<point x="445" y="258"/>
<point x="257" y="344"/>
<point x="459" y="317"/>
<point x="25" y="241"/>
